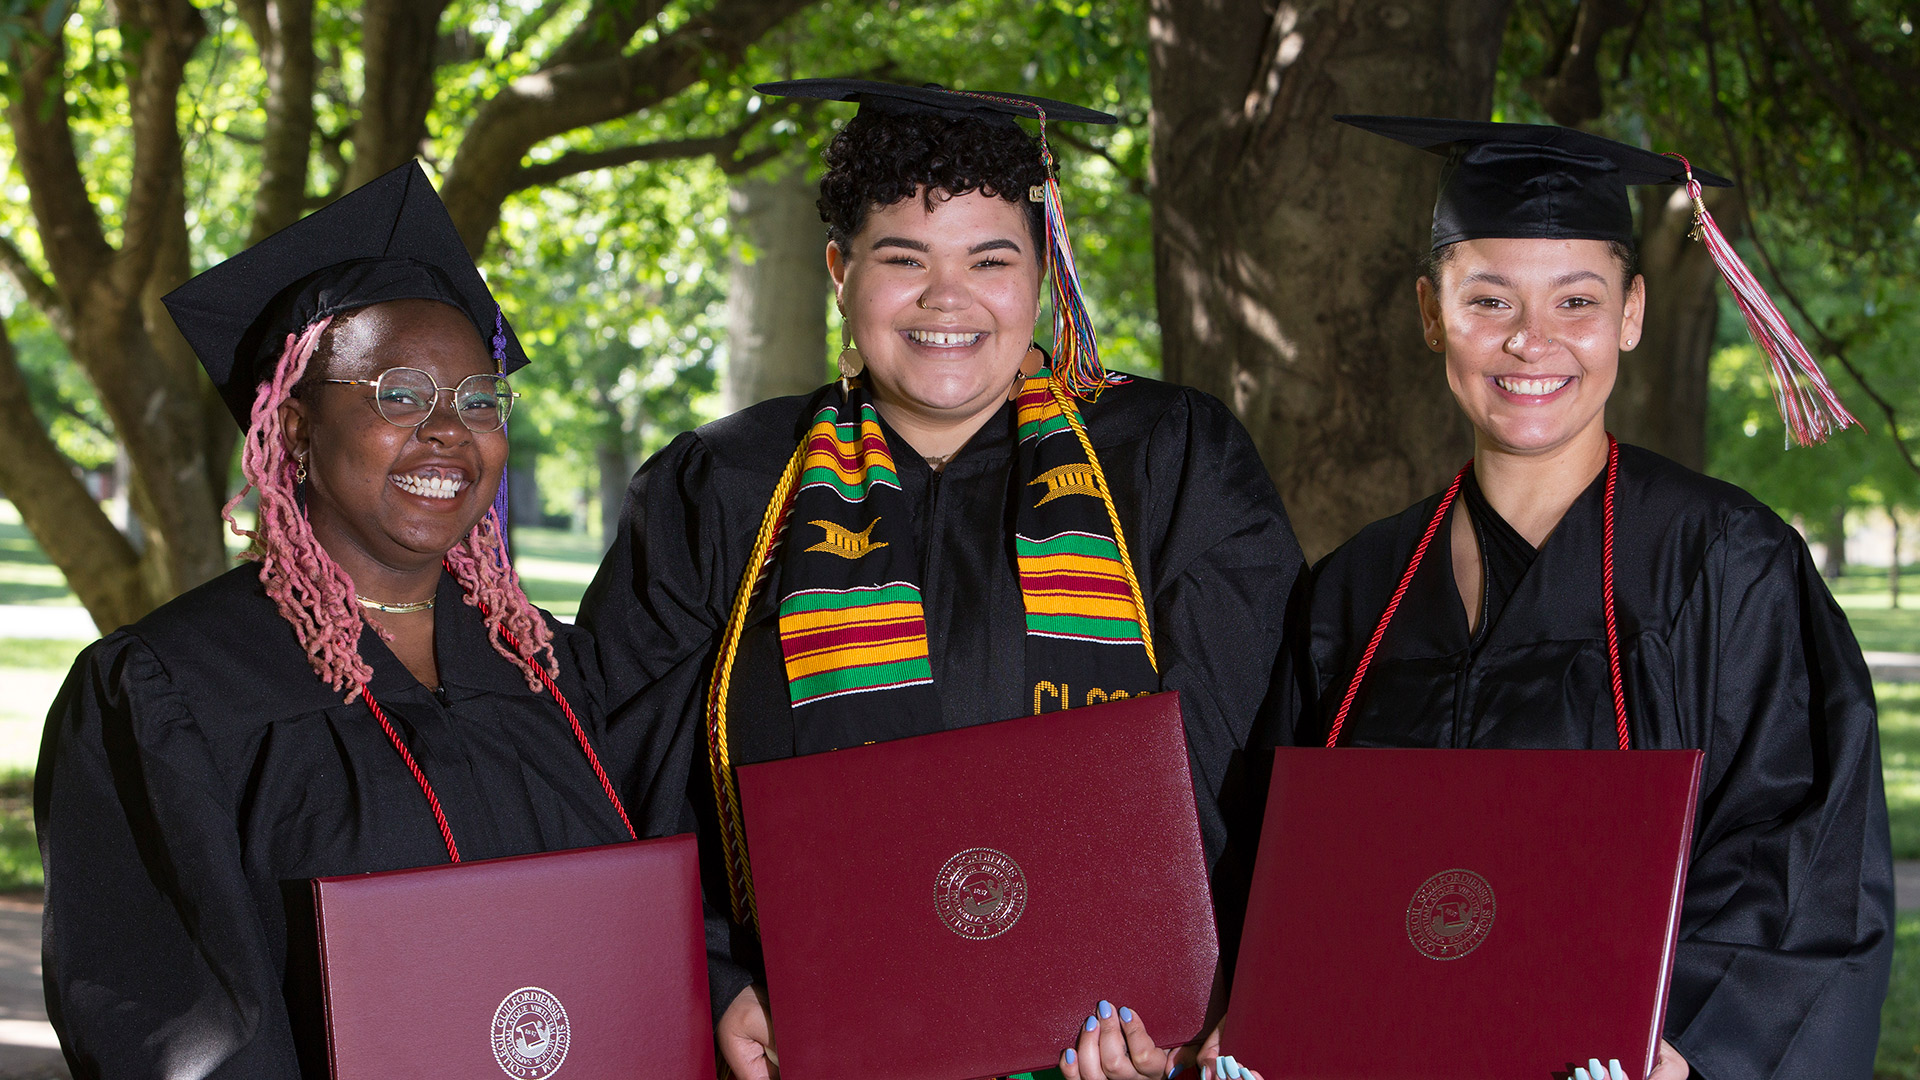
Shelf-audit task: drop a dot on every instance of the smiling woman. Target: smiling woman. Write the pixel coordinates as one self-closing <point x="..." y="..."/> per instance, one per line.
<point x="963" y="529"/>
<point x="1591" y="595"/>
<point x="372" y="691"/>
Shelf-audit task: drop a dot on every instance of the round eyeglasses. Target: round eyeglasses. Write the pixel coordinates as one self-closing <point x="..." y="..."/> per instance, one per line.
<point x="406" y="396"/>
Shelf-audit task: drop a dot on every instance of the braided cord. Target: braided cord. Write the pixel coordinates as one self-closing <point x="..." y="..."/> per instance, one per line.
<point x="419" y="776"/>
<point x="1072" y="413"/>
<point x="726" y="793"/>
<point x="1606" y="587"/>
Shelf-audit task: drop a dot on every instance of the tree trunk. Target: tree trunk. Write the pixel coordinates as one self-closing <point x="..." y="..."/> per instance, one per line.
<point x="776" y="291"/>
<point x="1833" y="536"/>
<point x="1893" y="563"/>
<point x="616" y="469"/>
<point x="283" y="32"/>
<point x="99" y="564"/>
<point x="398" y="41"/>
<point x="1660" y="398"/>
<point x="1286" y="245"/>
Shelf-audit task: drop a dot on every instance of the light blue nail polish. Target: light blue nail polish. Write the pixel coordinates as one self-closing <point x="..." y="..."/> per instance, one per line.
<point x="1234" y="1071"/>
<point x="1106" y="1009"/>
<point x="1126" y="1015"/>
<point x="1092" y="1023"/>
<point x="1071" y="1055"/>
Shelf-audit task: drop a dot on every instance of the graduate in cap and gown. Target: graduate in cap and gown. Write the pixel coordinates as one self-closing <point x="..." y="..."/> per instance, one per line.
<point x="964" y="528"/>
<point x="371" y="690"/>
<point x="1569" y="592"/>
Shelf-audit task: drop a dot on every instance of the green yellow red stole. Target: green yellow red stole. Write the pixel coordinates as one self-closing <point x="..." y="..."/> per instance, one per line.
<point x="853" y="631"/>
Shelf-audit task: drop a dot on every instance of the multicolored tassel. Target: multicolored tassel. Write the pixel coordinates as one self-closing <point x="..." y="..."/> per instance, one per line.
<point x="1809" y="406"/>
<point x="1076" y="348"/>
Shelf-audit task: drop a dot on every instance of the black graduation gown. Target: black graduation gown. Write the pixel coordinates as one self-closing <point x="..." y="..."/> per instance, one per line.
<point x="193" y="763"/>
<point x="1209" y="540"/>
<point x="1730" y="644"/>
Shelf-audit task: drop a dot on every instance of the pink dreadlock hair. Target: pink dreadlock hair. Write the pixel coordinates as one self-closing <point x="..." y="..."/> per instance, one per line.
<point x="316" y="596"/>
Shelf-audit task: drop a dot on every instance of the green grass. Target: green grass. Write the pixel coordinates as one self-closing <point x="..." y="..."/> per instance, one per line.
<point x="19" y="855"/>
<point x="555" y="566"/>
<point x="1879" y="626"/>
<point x="1900" y="763"/>
<point x="1899" y="1057"/>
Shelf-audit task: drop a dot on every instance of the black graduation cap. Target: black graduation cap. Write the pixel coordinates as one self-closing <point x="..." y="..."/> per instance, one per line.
<point x="389" y="240"/>
<point x="1531" y="180"/>
<point x="935" y="99"/>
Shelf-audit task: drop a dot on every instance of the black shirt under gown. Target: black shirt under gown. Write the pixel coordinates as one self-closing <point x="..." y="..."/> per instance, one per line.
<point x="1205" y="528"/>
<point x="193" y="762"/>
<point x="1731" y="644"/>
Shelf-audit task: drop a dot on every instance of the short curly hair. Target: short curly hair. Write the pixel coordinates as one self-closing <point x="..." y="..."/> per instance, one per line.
<point x="880" y="158"/>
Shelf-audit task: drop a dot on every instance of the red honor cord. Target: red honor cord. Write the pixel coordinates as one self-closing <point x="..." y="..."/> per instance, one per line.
<point x="1420" y="553"/>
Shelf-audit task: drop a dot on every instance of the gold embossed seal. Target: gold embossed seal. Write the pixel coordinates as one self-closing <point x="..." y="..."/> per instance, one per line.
<point x="980" y="893"/>
<point x="1450" y="915"/>
<point x="531" y="1034"/>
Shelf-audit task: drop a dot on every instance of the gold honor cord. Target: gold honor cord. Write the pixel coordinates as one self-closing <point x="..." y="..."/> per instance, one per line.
<point x="726" y="792"/>
<point x="1072" y="412"/>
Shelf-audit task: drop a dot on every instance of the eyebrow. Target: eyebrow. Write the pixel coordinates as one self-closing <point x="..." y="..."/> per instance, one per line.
<point x="1001" y="244"/>
<point x="1488" y="277"/>
<point x="1572" y="276"/>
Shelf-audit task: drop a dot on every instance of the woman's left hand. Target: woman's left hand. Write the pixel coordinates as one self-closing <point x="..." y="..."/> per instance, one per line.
<point x="1114" y="1045"/>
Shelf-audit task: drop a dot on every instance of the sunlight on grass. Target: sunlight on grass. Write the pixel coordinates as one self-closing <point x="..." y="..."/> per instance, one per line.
<point x="1899" y="1057"/>
<point x="1900" y="763"/>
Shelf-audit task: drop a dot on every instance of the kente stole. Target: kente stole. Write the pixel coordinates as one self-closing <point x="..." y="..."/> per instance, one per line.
<point x="853" y="631"/>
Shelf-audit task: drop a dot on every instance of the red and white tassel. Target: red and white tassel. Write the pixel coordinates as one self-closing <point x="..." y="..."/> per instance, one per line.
<point x="1809" y="406"/>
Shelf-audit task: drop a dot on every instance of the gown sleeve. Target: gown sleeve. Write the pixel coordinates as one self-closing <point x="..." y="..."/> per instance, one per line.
<point x="1225" y="566"/>
<point x="1785" y="939"/>
<point x="156" y="961"/>
<point x="656" y="609"/>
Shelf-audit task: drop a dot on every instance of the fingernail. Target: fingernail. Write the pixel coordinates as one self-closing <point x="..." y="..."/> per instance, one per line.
<point x="1092" y="1023"/>
<point x="1071" y="1055"/>
<point x="1613" y="1066"/>
<point x="1106" y="1009"/>
<point x="1126" y="1015"/>
<point x="1230" y="1068"/>
<point x="1172" y="1071"/>
<point x="1581" y="1074"/>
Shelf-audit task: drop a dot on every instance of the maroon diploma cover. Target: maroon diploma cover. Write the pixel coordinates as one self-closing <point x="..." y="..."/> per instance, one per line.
<point x="954" y="905"/>
<point x="1462" y="913"/>
<point x="593" y="960"/>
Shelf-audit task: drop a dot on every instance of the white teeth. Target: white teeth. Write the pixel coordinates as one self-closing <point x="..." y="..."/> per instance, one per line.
<point x="936" y="337"/>
<point x="1531" y="387"/>
<point x="432" y="487"/>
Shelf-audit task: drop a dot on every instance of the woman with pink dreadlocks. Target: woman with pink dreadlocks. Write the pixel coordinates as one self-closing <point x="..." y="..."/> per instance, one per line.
<point x="371" y="690"/>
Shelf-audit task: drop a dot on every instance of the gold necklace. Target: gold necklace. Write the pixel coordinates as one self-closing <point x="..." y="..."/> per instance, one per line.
<point x="395" y="609"/>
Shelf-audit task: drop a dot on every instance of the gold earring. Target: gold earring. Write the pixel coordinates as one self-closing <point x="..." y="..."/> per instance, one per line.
<point x="851" y="362"/>
<point x="1030" y="366"/>
<point x="1434" y="341"/>
<point x="300" y="471"/>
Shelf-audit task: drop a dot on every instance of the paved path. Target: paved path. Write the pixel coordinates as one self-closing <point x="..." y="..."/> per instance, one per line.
<point x="1894" y="666"/>
<point x="28" y="1048"/>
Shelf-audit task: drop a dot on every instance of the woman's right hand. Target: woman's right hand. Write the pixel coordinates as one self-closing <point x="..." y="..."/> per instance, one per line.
<point x="745" y="1038"/>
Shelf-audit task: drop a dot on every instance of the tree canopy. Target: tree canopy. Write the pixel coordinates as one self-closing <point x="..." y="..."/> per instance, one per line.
<point x="587" y="147"/>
